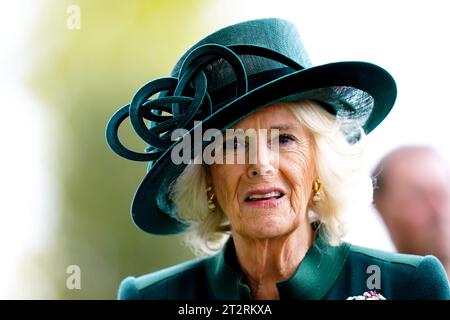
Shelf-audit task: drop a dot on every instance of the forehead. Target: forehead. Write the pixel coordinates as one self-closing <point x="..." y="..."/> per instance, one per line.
<point x="274" y="116"/>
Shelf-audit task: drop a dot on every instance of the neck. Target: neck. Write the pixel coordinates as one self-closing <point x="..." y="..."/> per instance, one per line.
<point x="264" y="262"/>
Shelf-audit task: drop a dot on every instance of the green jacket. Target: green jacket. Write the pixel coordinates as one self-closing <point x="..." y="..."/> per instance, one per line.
<point x="326" y="272"/>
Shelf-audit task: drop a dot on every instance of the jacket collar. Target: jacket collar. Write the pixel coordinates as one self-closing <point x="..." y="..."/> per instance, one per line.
<point x="313" y="278"/>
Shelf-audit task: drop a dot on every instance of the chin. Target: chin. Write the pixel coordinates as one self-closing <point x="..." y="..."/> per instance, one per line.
<point x="268" y="228"/>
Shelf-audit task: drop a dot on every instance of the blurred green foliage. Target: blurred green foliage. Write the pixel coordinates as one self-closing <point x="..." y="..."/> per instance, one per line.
<point x="82" y="77"/>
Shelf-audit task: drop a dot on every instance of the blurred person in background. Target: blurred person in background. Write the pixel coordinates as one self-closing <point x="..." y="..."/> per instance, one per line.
<point x="412" y="195"/>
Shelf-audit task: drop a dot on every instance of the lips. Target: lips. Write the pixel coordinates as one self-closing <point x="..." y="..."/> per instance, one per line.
<point x="258" y="195"/>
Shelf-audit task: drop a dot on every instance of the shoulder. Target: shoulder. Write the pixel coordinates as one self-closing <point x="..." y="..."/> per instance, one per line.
<point x="402" y="276"/>
<point x="182" y="281"/>
<point x="408" y="261"/>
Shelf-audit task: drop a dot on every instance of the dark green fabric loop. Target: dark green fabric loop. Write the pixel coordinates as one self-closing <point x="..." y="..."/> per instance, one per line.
<point x="112" y="137"/>
<point x="195" y="62"/>
<point x="187" y="114"/>
<point x="162" y="104"/>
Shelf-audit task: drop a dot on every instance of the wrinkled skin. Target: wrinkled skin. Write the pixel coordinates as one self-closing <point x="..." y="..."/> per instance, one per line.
<point x="272" y="238"/>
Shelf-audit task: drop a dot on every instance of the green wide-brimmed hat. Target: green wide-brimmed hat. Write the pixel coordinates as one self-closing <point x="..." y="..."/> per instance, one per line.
<point x="221" y="80"/>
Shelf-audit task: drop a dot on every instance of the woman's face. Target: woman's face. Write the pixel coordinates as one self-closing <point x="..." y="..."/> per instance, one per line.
<point x="268" y="197"/>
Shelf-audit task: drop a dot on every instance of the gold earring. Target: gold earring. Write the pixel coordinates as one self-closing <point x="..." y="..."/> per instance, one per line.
<point x="317" y="188"/>
<point x="210" y="195"/>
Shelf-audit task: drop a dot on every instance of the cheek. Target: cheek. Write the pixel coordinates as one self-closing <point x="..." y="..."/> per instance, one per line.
<point x="225" y="181"/>
<point x="411" y="207"/>
<point x="418" y="216"/>
<point x="405" y="212"/>
<point x="299" y="170"/>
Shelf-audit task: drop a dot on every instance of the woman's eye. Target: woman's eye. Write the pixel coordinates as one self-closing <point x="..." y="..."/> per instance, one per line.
<point x="285" y="138"/>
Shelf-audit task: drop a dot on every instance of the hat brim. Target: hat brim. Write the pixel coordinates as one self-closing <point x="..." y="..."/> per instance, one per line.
<point x="152" y="210"/>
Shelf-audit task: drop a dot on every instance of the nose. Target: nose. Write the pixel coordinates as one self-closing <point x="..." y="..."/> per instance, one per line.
<point x="259" y="170"/>
<point x="264" y="162"/>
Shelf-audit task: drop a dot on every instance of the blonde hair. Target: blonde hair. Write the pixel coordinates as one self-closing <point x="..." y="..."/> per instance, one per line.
<point x="340" y="167"/>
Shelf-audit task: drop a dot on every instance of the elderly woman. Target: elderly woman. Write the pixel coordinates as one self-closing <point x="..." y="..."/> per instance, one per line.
<point x="264" y="195"/>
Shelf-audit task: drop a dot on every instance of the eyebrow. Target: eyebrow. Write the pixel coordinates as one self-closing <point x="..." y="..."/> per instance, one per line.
<point x="284" y="127"/>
